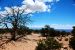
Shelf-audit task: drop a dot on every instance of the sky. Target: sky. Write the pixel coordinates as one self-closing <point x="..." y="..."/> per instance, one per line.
<point x="59" y="14"/>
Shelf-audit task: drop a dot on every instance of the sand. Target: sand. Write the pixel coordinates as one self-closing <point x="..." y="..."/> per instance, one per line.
<point x="30" y="42"/>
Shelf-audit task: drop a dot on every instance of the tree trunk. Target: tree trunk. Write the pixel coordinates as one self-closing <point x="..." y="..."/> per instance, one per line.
<point x="14" y="29"/>
<point x="13" y="34"/>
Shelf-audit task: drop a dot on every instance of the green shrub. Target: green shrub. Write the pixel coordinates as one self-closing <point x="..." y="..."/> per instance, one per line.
<point x="72" y="43"/>
<point x="48" y="44"/>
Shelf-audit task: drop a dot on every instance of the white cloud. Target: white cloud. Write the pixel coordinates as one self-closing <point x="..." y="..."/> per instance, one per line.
<point x="56" y="26"/>
<point x="3" y="14"/>
<point x="9" y="10"/>
<point x="48" y="0"/>
<point x="51" y="0"/>
<point x="30" y="6"/>
<point x="62" y="26"/>
<point x="36" y="26"/>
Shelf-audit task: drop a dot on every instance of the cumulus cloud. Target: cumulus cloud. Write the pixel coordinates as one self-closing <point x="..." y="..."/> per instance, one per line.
<point x="31" y="6"/>
<point x="3" y="14"/>
<point x="35" y="6"/>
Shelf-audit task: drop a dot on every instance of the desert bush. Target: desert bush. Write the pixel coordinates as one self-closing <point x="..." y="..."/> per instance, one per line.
<point x="72" y="43"/>
<point x="63" y="33"/>
<point x="48" y="31"/>
<point x="73" y="31"/>
<point x="48" y="44"/>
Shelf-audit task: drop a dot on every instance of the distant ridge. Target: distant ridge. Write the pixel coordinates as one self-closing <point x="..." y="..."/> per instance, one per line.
<point x="67" y="30"/>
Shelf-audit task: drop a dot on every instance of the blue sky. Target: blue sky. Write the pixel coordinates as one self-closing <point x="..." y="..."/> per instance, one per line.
<point x="61" y="15"/>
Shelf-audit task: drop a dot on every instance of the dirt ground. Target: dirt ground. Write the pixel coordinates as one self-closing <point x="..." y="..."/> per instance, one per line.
<point x="30" y="42"/>
<point x="26" y="43"/>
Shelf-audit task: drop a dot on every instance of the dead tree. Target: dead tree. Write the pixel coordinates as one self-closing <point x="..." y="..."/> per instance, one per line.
<point x="16" y="19"/>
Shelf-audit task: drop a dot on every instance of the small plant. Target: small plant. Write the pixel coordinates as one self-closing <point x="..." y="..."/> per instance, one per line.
<point x="72" y="43"/>
<point x="66" y="39"/>
<point x="48" y="44"/>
